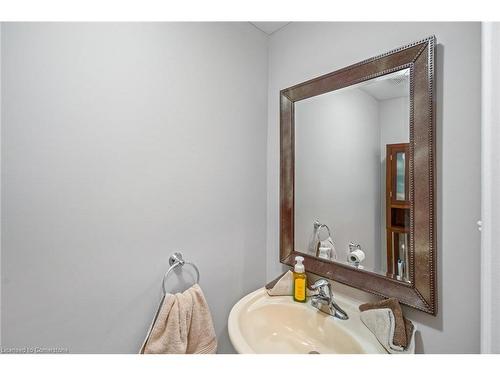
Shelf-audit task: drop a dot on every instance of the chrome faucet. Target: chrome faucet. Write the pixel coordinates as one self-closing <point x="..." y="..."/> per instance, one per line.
<point x="324" y="300"/>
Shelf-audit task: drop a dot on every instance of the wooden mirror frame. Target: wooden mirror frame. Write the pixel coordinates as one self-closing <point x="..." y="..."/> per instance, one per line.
<point x="421" y="292"/>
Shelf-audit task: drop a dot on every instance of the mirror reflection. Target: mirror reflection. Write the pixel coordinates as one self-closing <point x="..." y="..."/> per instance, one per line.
<point x="351" y="175"/>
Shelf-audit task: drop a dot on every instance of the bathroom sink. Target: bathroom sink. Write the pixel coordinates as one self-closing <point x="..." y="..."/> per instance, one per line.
<point x="259" y="323"/>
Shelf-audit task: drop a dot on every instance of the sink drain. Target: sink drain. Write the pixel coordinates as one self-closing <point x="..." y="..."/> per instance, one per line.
<point x="313" y="352"/>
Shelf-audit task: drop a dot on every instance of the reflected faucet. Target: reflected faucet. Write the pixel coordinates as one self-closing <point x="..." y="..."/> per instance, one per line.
<point x="324" y="300"/>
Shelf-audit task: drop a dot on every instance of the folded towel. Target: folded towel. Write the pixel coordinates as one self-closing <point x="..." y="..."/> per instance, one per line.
<point x="328" y="243"/>
<point x="403" y="327"/>
<point x="283" y="286"/>
<point x="183" y="325"/>
<point x="382" y="323"/>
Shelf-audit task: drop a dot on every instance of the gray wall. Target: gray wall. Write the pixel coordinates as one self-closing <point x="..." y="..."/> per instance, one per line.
<point x="120" y="144"/>
<point x="339" y="126"/>
<point x="301" y="51"/>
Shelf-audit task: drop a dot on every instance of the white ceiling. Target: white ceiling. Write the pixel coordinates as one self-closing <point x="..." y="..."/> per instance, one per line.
<point x="390" y="86"/>
<point x="269" y="27"/>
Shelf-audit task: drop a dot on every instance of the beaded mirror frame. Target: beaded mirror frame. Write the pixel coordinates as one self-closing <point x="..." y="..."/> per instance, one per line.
<point x="421" y="292"/>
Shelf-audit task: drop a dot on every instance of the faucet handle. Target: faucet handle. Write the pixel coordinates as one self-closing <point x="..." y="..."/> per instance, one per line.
<point x="323" y="287"/>
<point x="325" y="298"/>
<point x="320" y="283"/>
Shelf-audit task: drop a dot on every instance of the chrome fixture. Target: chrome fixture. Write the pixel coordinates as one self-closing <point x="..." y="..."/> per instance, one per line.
<point x="353" y="260"/>
<point x="176" y="260"/>
<point x="315" y="242"/>
<point x="324" y="300"/>
<point x="354" y="246"/>
<point x="318" y="226"/>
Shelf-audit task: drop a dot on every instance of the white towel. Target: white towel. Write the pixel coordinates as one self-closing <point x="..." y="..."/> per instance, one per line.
<point x="329" y="243"/>
<point x="382" y="323"/>
<point x="183" y="325"/>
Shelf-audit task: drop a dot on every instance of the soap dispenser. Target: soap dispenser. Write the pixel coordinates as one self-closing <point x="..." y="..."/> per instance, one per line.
<point x="299" y="280"/>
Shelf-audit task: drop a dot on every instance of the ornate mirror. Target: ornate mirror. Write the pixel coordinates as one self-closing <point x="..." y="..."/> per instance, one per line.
<point x="357" y="175"/>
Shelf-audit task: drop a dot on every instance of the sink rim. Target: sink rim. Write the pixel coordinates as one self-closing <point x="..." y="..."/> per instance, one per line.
<point x="361" y="335"/>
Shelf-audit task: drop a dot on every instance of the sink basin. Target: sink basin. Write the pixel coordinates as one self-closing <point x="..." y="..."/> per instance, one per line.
<point x="259" y="323"/>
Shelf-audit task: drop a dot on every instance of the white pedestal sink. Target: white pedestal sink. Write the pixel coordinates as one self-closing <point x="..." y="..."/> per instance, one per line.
<point x="259" y="323"/>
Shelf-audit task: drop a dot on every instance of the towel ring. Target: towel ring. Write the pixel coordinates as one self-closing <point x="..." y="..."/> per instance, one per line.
<point x="318" y="226"/>
<point x="175" y="261"/>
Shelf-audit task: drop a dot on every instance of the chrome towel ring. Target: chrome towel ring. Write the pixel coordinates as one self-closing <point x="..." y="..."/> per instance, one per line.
<point x="175" y="261"/>
<point x="318" y="226"/>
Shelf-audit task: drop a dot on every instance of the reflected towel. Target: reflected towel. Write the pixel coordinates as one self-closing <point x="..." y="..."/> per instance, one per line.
<point x="183" y="325"/>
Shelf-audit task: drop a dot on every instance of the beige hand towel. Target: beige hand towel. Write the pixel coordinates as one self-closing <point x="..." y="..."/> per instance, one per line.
<point x="183" y="325"/>
<point x="383" y="324"/>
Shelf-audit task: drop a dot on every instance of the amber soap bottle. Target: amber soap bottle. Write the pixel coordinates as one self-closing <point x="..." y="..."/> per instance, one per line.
<point x="299" y="280"/>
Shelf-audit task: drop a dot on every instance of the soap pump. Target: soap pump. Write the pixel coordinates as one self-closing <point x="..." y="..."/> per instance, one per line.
<point x="299" y="280"/>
